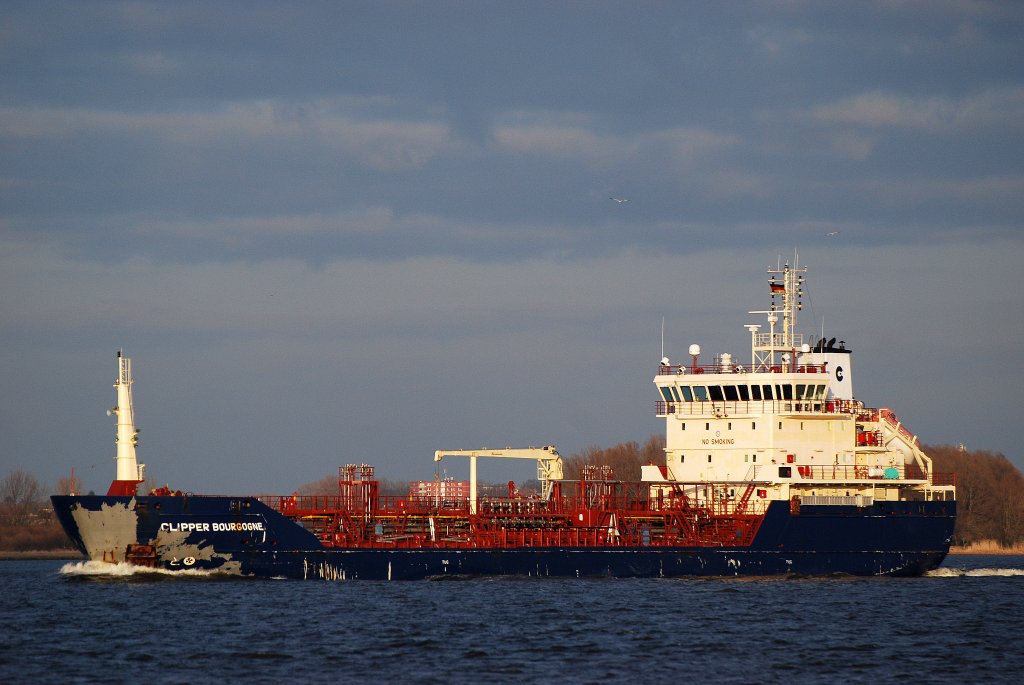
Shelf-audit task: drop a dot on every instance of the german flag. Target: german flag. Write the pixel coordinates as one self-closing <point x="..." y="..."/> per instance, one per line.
<point x="777" y="288"/>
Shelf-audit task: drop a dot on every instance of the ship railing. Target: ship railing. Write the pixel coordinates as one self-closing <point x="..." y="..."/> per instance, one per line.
<point x="722" y="408"/>
<point x="718" y="516"/>
<point x="681" y="369"/>
<point x="850" y="472"/>
<point x="867" y="415"/>
<point x="656" y="498"/>
<point x="779" y="340"/>
<point x="297" y="505"/>
<point x="752" y="407"/>
<point x="837" y="500"/>
<point x="900" y="472"/>
<point x="891" y="419"/>
<point x="625" y="498"/>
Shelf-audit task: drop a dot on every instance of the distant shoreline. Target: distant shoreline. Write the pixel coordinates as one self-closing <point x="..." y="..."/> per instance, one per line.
<point x="37" y="554"/>
<point x="987" y="548"/>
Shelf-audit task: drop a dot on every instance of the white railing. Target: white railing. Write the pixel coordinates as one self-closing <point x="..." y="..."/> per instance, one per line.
<point x="740" y="407"/>
<point x="838" y="500"/>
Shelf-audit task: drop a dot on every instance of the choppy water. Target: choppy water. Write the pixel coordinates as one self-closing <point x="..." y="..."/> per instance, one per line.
<point x="66" y="622"/>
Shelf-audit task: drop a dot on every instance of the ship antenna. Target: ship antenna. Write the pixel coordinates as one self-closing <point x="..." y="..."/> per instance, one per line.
<point x="663" y="337"/>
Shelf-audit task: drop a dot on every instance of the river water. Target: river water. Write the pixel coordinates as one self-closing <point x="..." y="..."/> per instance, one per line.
<point x="73" y="622"/>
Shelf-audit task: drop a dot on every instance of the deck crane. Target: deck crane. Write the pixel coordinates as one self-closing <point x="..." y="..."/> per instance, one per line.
<point x="549" y="465"/>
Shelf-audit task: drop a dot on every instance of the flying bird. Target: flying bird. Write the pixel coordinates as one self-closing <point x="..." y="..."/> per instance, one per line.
<point x="620" y="200"/>
<point x="832" y="233"/>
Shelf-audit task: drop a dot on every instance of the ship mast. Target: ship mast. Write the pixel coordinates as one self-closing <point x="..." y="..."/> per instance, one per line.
<point x="129" y="471"/>
<point x="775" y="349"/>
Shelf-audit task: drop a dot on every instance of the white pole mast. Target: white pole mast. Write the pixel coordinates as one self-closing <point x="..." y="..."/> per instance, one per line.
<point x="127" y="436"/>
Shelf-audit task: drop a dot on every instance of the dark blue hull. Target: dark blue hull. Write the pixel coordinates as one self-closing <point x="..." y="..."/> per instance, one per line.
<point x="622" y="562"/>
<point x="244" y="537"/>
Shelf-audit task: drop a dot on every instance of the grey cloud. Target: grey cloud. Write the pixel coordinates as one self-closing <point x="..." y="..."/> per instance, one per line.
<point x="380" y="229"/>
<point x="998" y="106"/>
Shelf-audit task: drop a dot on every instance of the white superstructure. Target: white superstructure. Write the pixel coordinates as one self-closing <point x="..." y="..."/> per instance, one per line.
<point x="785" y="425"/>
<point x="128" y="468"/>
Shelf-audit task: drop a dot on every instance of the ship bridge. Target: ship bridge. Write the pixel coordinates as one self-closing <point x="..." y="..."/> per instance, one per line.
<point x="787" y="421"/>
<point x="710" y="391"/>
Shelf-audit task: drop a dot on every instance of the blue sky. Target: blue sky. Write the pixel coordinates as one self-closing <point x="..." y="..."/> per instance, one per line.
<point x="349" y="232"/>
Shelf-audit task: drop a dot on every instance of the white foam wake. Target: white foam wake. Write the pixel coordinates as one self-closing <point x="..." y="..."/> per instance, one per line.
<point x="102" y="568"/>
<point x="947" y="572"/>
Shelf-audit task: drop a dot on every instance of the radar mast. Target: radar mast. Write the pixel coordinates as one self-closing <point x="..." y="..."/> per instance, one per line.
<point x="776" y="349"/>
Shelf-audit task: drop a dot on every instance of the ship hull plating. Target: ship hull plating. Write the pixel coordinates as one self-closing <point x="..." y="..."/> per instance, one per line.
<point x="242" y="536"/>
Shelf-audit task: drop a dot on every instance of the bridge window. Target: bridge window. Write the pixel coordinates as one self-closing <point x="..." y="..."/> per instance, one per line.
<point x="744" y="392"/>
<point x="666" y="394"/>
<point x="715" y="391"/>
<point x="755" y="392"/>
<point x="787" y="392"/>
<point x="800" y="390"/>
<point x="730" y="393"/>
<point x="687" y="395"/>
<point x="701" y="393"/>
<point x="767" y="392"/>
<point x="809" y="393"/>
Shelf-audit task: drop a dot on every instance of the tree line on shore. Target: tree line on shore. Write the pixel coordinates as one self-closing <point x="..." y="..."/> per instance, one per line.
<point x="990" y="493"/>
<point x="26" y="519"/>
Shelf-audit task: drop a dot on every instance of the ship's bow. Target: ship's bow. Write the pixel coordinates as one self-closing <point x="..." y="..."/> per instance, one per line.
<point x="100" y="527"/>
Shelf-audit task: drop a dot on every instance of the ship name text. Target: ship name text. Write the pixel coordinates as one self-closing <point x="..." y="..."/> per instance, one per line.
<point x="214" y="527"/>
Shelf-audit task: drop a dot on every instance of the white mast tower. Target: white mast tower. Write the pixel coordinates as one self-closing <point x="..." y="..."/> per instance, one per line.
<point x="129" y="471"/>
<point x="787" y="283"/>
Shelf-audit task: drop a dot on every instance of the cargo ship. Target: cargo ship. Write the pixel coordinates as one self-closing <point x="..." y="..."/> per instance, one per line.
<point x="771" y="468"/>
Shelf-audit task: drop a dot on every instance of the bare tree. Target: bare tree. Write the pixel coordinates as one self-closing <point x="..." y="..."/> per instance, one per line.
<point x="988" y="491"/>
<point x="20" y="493"/>
<point x="65" y="486"/>
<point x="328" y="485"/>
<point x="626" y="458"/>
